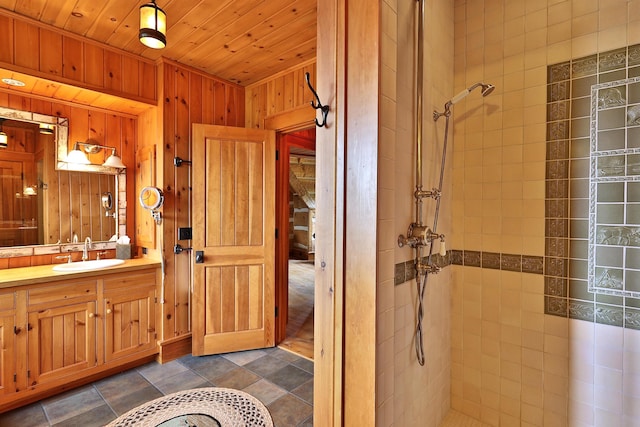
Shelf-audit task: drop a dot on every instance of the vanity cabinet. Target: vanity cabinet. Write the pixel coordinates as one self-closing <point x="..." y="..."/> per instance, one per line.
<point x="64" y="333"/>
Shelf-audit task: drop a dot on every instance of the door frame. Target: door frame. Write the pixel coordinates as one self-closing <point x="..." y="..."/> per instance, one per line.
<point x="282" y="123"/>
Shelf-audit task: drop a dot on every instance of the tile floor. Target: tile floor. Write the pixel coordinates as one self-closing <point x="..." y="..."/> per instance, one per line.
<point x="282" y="380"/>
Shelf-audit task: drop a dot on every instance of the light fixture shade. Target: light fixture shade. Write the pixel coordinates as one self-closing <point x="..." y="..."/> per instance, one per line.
<point x="153" y="26"/>
<point x="46" y="129"/>
<point x="4" y="141"/>
<point x="114" y="161"/>
<point x="77" y="156"/>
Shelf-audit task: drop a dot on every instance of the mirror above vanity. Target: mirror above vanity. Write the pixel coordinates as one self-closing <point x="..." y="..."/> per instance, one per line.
<point x="44" y="199"/>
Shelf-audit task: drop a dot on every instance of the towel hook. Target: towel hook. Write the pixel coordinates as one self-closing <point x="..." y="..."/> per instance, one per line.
<point x="323" y="108"/>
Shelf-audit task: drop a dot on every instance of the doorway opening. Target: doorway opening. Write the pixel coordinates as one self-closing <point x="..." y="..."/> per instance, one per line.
<point x="295" y="216"/>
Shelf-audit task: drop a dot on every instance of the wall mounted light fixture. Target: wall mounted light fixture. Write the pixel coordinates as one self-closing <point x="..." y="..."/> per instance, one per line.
<point x="79" y="156"/>
<point x="4" y="140"/>
<point x="46" y="128"/>
<point x="153" y="26"/>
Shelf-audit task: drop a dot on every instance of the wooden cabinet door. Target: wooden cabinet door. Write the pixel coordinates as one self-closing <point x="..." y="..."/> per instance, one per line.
<point x="7" y="354"/>
<point x="62" y="341"/>
<point x="130" y="321"/>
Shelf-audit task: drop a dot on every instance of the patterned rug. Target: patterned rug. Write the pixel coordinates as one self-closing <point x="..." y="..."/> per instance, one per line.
<point x="201" y="407"/>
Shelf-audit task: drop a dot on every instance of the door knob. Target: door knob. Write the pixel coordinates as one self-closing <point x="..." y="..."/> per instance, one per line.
<point x="108" y="311"/>
<point x="199" y="257"/>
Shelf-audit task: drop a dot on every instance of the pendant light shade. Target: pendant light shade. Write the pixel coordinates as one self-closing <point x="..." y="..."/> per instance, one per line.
<point x="153" y="26"/>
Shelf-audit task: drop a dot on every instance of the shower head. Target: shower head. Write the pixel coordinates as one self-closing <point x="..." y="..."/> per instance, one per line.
<point x="486" y="90"/>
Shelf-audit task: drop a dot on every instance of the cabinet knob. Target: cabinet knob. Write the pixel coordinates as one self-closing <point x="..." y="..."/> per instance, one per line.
<point x="108" y="311"/>
<point x="91" y="315"/>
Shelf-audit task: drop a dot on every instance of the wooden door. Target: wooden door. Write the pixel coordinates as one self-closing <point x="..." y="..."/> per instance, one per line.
<point x="234" y="227"/>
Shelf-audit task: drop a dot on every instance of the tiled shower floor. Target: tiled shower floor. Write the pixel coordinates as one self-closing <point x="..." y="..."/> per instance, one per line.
<point x="282" y="380"/>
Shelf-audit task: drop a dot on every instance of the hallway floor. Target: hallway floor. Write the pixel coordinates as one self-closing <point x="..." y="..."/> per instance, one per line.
<point x="299" y="337"/>
<point x="281" y="380"/>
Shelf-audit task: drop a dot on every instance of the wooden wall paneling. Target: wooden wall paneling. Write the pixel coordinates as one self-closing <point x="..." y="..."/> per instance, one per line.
<point x="145" y="176"/>
<point x="40" y="50"/>
<point x="235" y="106"/>
<point x="147" y="80"/>
<point x="219" y="103"/>
<point x="41" y="106"/>
<point x="283" y="92"/>
<point x="50" y="48"/>
<point x="207" y="98"/>
<point x="130" y="75"/>
<point x="168" y="178"/>
<point x="26" y="46"/>
<point x="279" y="92"/>
<point x="6" y="48"/>
<point x="94" y="66"/>
<point x="72" y="59"/>
<point x="288" y="87"/>
<point x="128" y="139"/>
<point x="187" y="84"/>
<point x="78" y="126"/>
<point x="96" y="134"/>
<point x="19" y="102"/>
<point x="271" y="97"/>
<point x="113" y="71"/>
<point x="258" y="106"/>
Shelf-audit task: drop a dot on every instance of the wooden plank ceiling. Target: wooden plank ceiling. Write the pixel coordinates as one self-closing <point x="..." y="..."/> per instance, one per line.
<point x="243" y="41"/>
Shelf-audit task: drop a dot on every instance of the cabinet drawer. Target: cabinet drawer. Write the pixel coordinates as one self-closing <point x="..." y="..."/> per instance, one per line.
<point x="7" y="301"/>
<point x="130" y="281"/>
<point x="71" y="292"/>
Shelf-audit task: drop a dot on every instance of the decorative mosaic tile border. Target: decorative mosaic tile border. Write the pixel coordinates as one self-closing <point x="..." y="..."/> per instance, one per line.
<point x="520" y="263"/>
<point x="566" y="266"/>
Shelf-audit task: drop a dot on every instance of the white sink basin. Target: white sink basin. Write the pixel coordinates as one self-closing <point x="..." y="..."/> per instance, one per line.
<point x="95" y="264"/>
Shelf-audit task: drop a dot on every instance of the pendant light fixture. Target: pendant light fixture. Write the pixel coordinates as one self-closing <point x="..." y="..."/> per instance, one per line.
<point x="153" y="26"/>
<point x="4" y="140"/>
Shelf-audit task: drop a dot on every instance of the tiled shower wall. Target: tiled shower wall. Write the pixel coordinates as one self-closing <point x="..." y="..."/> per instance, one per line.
<point x="409" y="394"/>
<point x="592" y="188"/>
<point x="512" y="363"/>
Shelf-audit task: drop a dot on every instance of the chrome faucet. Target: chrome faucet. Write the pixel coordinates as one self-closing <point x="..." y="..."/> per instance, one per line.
<point x="87" y="246"/>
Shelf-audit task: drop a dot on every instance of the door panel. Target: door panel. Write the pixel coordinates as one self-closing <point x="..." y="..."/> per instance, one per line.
<point x="234" y="227"/>
<point x="62" y="340"/>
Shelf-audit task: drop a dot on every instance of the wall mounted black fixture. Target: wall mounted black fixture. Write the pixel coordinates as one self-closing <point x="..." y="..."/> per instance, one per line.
<point x="319" y="106"/>
<point x="178" y="249"/>
<point x="178" y="161"/>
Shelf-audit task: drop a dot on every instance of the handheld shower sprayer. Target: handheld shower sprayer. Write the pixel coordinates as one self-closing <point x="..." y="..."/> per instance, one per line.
<point x="486" y="90"/>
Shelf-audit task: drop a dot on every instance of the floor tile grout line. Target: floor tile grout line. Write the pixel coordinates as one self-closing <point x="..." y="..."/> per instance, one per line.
<point x="106" y="401"/>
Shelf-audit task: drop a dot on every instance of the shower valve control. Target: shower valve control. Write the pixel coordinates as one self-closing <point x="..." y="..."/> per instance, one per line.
<point x="421" y="194"/>
<point x="419" y="235"/>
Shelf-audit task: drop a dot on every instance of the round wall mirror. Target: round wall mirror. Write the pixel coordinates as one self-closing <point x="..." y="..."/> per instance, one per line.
<point x="151" y="198"/>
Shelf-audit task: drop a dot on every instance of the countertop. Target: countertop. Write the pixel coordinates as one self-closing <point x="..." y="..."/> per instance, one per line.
<point x="44" y="273"/>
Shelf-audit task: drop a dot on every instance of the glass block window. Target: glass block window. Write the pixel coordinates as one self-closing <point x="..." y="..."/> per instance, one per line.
<point x="614" y="188"/>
